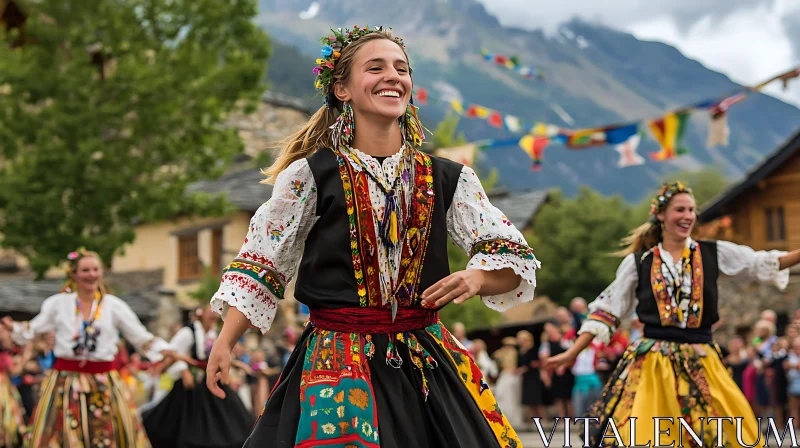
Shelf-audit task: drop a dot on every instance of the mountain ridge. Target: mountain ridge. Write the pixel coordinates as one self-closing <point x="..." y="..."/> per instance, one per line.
<point x="596" y="74"/>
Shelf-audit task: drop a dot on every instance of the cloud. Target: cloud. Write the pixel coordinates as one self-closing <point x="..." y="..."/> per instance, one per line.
<point x="547" y="14"/>
<point x="749" y="40"/>
<point x="750" y="45"/>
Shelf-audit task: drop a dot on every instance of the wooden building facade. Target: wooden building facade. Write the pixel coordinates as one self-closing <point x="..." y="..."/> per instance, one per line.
<point x="761" y="211"/>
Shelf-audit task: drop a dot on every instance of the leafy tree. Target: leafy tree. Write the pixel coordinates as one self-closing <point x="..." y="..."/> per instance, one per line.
<point x="574" y="238"/>
<point x="473" y="313"/>
<point x="446" y="133"/>
<point x="110" y="109"/>
<point x="207" y="287"/>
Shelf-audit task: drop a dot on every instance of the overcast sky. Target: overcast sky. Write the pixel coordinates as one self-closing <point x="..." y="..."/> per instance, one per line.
<point x="748" y="40"/>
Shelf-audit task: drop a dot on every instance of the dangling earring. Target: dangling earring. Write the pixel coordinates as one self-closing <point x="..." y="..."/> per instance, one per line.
<point x="412" y="129"/>
<point x="345" y="127"/>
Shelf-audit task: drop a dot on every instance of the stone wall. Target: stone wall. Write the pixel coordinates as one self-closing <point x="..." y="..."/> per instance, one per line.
<point x="741" y="303"/>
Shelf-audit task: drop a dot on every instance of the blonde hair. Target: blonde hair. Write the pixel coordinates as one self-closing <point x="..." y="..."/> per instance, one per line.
<point x="646" y="236"/>
<point x="72" y="269"/>
<point x="766" y="325"/>
<point x="317" y="133"/>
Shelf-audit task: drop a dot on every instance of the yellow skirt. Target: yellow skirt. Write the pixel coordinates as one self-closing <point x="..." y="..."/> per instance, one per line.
<point x="685" y="382"/>
<point x="12" y="422"/>
<point x="82" y="410"/>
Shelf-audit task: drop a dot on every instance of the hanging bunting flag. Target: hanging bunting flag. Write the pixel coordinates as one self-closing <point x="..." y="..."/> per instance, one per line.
<point x="627" y="152"/>
<point x="718" y="130"/>
<point x="464" y="154"/>
<point x="512" y="63"/>
<point x="534" y="147"/>
<point x="626" y="140"/>
<point x="540" y="130"/>
<point x="586" y="138"/>
<point x="785" y="77"/>
<point x="621" y="134"/>
<point x="496" y="120"/>
<point x="512" y="124"/>
<point x="668" y="132"/>
<point x="422" y="96"/>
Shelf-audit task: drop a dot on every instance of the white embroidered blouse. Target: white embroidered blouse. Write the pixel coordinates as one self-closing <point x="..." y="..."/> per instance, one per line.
<point x="182" y="344"/>
<point x="279" y="228"/>
<point x="58" y="314"/>
<point x="619" y="298"/>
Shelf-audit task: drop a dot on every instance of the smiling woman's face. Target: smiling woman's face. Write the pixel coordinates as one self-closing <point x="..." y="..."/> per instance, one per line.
<point x="679" y="217"/>
<point x="379" y="83"/>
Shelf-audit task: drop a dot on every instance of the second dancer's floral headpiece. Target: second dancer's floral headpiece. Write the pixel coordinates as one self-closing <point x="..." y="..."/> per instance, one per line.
<point x="667" y="192"/>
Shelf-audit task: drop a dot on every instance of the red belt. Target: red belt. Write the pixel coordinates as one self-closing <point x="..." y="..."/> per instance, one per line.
<point x="199" y="364"/>
<point x="372" y="319"/>
<point x="81" y="366"/>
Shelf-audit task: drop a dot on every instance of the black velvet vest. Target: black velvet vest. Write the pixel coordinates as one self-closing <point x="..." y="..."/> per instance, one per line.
<point x="193" y="349"/>
<point x="652" y="316"/>
<point x="326" y="276"/>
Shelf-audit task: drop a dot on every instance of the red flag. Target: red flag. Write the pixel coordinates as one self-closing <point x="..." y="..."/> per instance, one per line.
<point x="422" y="96"/>
<point x="496" y="120"/>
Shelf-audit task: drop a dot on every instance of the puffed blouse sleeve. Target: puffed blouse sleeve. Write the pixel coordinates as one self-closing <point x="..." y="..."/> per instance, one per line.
<point x="761" y="266"/>
<point x="24" y="332"/>
<point x="134" y="332"/>
<point x="492" y="242"/>
<point x="255" y="281"/>
<point x="616" y="302"/>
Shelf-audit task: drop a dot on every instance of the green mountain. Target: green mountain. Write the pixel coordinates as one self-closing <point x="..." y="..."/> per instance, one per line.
<point x="593" y="73"/>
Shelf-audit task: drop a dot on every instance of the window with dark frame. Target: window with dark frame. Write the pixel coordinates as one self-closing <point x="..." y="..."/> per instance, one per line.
<point x="776" y="225"/>
<point x="189" y="266"/>
<point x="216" y="251"/>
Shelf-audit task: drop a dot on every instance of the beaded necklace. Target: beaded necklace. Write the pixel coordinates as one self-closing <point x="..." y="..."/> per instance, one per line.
<point x="85" y="332"/>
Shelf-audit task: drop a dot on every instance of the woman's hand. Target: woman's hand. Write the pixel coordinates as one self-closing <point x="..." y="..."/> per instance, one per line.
<point x="218" y="369"/>
<point x="457" y="287"/>
<point x="8" y="322"/>
<point x="188" y="379"/>
<point x="560" y="360"/>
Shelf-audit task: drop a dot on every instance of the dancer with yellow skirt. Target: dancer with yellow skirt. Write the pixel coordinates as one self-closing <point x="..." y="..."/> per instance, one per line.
<point x="84" y="402"/>
<point x="675" y="371"/>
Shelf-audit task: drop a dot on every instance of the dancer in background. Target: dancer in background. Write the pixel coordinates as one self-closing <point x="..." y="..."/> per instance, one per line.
<point x="366" y="216"/>
<point x="84" y="402"/>
<point x="562" y="380"/>
<point x="12" y="419"/>
<point x="675" y="369"/>
<point x="190" y="416"/>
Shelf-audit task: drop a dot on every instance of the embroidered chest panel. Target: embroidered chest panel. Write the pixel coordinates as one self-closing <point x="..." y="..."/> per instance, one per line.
<point x="364" y="236"/>
<point x="670" y="313"/>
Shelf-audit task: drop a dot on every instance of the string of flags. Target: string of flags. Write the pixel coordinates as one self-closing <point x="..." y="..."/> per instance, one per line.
<point x="667" y="130"/>
<point x="512" y="63"/>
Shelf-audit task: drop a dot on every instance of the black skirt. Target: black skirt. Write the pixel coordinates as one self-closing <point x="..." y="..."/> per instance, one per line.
<point x="415" y="389"/>
<point x="195" y="418"/>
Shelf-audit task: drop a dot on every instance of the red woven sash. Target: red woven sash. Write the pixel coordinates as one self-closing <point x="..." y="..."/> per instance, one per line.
<point x="372" y="320"/>
<point x="81" y="366"/>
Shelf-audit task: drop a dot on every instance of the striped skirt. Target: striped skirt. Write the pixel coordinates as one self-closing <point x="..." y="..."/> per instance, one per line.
<point x="78" y="409"/>
<point x="12" y="421"/>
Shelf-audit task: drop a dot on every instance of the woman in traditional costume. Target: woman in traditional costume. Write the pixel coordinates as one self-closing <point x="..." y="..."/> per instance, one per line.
<point x="675" y="370"/>
<point x="366" y="215"/>
<point x="12" y="418"/>
<point x="84" y="402"/>
<point x="190" y="416"/>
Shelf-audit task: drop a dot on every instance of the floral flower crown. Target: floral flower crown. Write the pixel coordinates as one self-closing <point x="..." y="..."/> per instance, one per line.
<point x="74" y="255"/>
<point x="332" y="50"/>
<point x="662" y="199"/>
